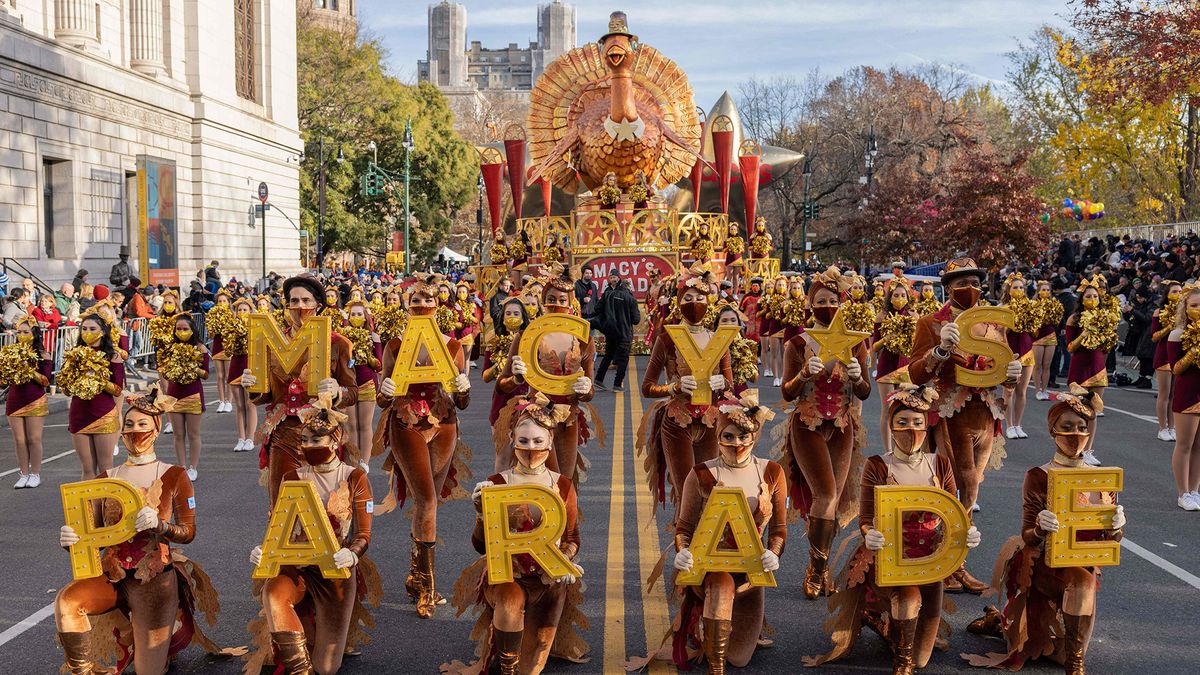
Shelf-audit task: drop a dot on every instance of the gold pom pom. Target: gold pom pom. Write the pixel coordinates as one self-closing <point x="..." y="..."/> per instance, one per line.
<point x="859" y="316"/>
<point x="18" y="364"/>
<point x="1098" y="328"/>
<point x="84" y="373"/>
<point x="179" y="362"/>
<point x="897" y="331"/>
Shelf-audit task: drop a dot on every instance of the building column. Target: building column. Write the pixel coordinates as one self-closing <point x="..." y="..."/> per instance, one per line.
<point x="75" y="22"/>
<point x="146" y="37"/>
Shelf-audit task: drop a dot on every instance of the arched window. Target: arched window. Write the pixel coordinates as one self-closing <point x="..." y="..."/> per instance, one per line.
<point x="245" y="37"/>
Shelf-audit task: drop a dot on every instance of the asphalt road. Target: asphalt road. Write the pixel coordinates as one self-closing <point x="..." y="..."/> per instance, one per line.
<point x="1147" y="606"/>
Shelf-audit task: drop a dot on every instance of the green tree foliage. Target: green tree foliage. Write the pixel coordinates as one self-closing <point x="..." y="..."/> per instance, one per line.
<point x="347" y="98"/>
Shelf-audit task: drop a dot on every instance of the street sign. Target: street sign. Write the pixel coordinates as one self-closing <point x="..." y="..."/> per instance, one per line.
<point x="262" y="192"/>
<point x="259" y="208"/>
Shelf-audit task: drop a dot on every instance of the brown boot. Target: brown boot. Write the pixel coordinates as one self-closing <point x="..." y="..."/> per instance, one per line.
<point x="817" y="579"/>
<point x="77" y="652"/>
<point x="716" y="642"/>
<point x="904" y="636"/>
<point x="508" y="650"/>
<point x="991" y="624"/>
<point x="427" y="598"/>
<point x="411" y="583"/>
<point x="965" y="583"/>
<point x="1078" y="632"/>
<point x="291" y="652"/>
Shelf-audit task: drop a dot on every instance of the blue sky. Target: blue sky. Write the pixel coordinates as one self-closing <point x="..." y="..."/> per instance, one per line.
<point x="721" y="42"/>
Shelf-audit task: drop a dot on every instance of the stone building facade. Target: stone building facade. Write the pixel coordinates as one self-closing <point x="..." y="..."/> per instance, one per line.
<point x="87" y="86"/>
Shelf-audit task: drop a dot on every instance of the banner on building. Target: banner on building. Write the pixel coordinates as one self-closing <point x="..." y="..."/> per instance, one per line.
<point x="158" y="236"/>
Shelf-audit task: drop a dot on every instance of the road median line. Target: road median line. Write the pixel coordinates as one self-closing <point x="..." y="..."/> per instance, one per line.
<point x="614" y="579"/>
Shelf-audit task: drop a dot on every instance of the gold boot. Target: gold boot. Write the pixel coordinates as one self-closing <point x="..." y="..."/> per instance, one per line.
<point x="291" y="652"/>
<point x="904" y="637"/>
<point x="508" y="650"/>
<point x="818" y="580"/>
<point x="77" y="652"/>
<point x="716" y="642"/>
<point x="1078" y="631"/>
<point x="427" y="598"/>
<point x="411" y="583"/>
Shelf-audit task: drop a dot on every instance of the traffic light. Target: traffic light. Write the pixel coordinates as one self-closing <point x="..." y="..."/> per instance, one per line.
<point x="371" y="183"/>
<point x="812" y="210"/>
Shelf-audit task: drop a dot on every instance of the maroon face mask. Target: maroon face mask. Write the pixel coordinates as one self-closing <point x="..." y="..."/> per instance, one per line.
<point x="824" y="315"/>
<point x="965" y="298"/>
<point x="693" y="312"/>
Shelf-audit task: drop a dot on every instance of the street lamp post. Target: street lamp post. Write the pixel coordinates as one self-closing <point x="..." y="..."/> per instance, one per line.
<point x="479" y="218"/>
<point x="408" y="147"/>
<point x="320" y="201"/>
<point x="869" y="160"/>
<point x="804" y="215"/>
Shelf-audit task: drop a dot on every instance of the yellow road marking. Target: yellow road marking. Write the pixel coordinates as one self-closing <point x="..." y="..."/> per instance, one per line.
<point x="614" y="580"/>
<point x="654" y="604"/>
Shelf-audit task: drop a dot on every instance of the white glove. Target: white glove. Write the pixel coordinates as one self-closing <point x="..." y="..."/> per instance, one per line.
<point x="688" y="384"/>
<point x="345" y="558"/>
<point x="462" y="383"/>
<point x="569" y="579"/>
<point x="874" y="540"/>
<point x="814" y="366"/>
<point x="387" y="387"/>
<point x="583" y="384"/>
<point x="1047" y="521"/>
<point x="248" y="380"/>
<point x="519" y="367"/>
<point x="329" y="386"/>
<point x="67" y="536"/>
<point x="256" y="556"/>
<point x="973" y="537"/>
<point x="950" y="336"/>
<point x="716" y="382"/>
<point x="1013" y="371"/>
<point x="147" y="519"/>
<point x="770" y="561"/>
<point x="854" y="370"/>
<point x="1119" y="518"/>
<point x="477" y="493"/>
<point x="684" y="560"/>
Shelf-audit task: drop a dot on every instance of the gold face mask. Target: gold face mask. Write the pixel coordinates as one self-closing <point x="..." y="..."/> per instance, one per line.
<point x="513" y="322"/>
<point x="168" y="308"/>
<point x="1071" y="445"/>
<point x="899" y="303"/>
<point x="183" y="335"/>
<point x="1193" y="313"/>
<point x="927" y="293"/>
<point x="139" y="443"/>
<point x="1091" y="303"/>
<point x="358" y="321"/>
<point x="25" y="339"/>
<point x="91" y="339"/>
<point x="1174" y="296"/>
<point x="1043" y="294"/>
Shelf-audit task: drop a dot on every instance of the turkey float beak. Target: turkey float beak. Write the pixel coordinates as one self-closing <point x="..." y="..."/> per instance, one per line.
<point x="616" y="56"/>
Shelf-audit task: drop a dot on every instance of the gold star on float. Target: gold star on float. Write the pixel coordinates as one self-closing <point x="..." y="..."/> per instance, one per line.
<point x="837" y="342"/>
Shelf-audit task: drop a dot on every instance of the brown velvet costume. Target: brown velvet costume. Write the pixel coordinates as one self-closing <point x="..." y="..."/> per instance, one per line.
<point x="860" y="601"/>
<point x="568" y="436"/>
<point x="152" y="587"/>
<point x="676" y="435"/>
<point x="279" y="433"/>
<point x="552" y="612"/>
<point x="330" y="613"/>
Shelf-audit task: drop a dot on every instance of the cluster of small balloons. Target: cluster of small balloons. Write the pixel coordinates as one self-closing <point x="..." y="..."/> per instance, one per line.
<point x="1079" y="209"/>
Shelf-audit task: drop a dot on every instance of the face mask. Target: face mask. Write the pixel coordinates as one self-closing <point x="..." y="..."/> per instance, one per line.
<point x="139" y="443"/>
<point x="1070" y="445"/>
<point x="423" y="311"/>
<point x="1091" y="303"/>
<point x="358" y="321"/>
<point x="856" y="293"/>
<point x="965" y="298"/>
<point x="1017" y="292"/>
<point x="183" y="335"/>
<point x="693" y="312"/>
<point x="25" y="339"/>
<point x="755" y="288"/>
<point x="736" y="451"/>
<point x="1043" y="294"/>
<point x="299" y="316"/>
<point x="532" y="458"/>
<point x="1174" y="296"/>
<point x="330" y="300"/>
<point x="797" y="293"/>
<point x="908" y="440"/>
<point x="443" y="296"/>
<point x="316" y="455"/>
<point x="824" y="315"/>
<point x="927" y="293"/>
<point x="168" y="308"/>
<point x="1193" y="313"/>
<point x="512" y="322"/>
<point x="462" y="296"/>
<point x="91" y="339"/>
<point x="899" y="303"/>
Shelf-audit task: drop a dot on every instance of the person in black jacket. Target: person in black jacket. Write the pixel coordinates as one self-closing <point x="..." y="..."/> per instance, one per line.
<point x="587" y="293"/>
<point x="617" y="315"/>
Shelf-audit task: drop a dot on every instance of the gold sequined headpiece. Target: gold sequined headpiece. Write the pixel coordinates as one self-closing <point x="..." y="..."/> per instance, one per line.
<point x="322" y="416"/>
<point x="1086" y="404"/>
<point x="152" y="401"/>
<point x="911" y="397"/>
<point x="831" y="279"/>
<point x="699" y="277"/>
<point x="746" y="413"/>
<point x="542" y="411"/>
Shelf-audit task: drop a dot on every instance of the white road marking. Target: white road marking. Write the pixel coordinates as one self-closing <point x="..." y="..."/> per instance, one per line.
<point x="26" y="623"/>
<point x="1168" y="567"/>
<point x="1167" y="543"/>
<point x="1145" y="418"/>
<point x="44" y="461"/>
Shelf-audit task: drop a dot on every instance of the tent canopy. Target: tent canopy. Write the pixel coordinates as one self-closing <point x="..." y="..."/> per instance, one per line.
<point x="448" y="254"/>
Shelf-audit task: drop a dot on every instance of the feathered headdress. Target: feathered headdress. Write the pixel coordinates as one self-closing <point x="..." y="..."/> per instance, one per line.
<point x="320" y="415"/>
<point x="831" y="279"/>
<point x="558" y="276"/>
<point x="542" y="411"/>
<point x="1086" y="404"/>
<point x="911" y="397"/>
<point x="425" y="284"/>
<point x="699" y="277"/>
<point x="746" y="413"/>
<point x="152" y="401"/>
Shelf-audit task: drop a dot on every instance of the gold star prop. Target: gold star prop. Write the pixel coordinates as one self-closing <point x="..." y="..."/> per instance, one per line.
<point x="837" y="341"/>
